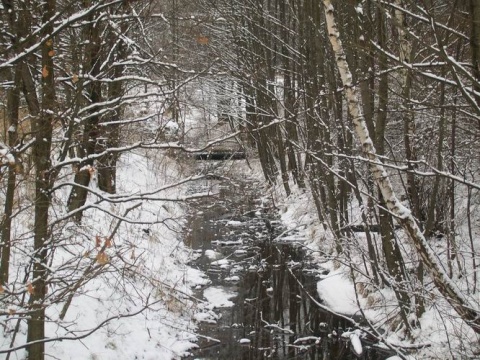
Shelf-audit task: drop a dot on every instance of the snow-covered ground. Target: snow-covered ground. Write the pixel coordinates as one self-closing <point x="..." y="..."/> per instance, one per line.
<point x="441" y="334"/>
<point x="138" y="305"/>
<point x="126" y="263"/>
<point x="141" y="304"/>
<point x="146" y="292"/>
<point x="157" y="277"/>
<point x="168" y="329"/>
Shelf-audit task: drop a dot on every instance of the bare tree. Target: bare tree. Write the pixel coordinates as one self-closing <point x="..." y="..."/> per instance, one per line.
<point x="403" y="215"/>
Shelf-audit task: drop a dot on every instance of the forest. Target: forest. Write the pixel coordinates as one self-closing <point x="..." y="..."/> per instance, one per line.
<point x="368" y="109"/>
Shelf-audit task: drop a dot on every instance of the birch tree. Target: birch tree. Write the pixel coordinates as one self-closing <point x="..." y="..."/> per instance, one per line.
<point x="465" y="308"/>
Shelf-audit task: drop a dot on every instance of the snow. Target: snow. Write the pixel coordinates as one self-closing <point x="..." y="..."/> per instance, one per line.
<point x="164" y="330"/>
<point x="141" y="304"/>
<point x="211" y="254"/>
<point x="222" y="263"/>
<point x="305" y="339"/>
<point x="6" y="157"/>
<point x="159" y="286"/>
<point x="196" y="277"/>
<point x="338" y="293"/>
<point x="239" y="252"/>
<point x="219" y="296"/>
<point x="277" y="328"/>
<point x="171" y="129"/>
<point x="356" y="344"/>
<point x="207" y="316"/>
<point x="234" y="223"/>
<point x="338" y="290"/>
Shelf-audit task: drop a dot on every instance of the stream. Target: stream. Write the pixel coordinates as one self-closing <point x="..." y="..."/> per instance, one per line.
<point x="266" y="281"/>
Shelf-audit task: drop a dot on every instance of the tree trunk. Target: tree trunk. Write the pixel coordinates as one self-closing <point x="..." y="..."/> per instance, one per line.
<point x="289" y="101"/>
<point x="406" y="78"/>
<point x="78" y="195"/>
<point x="402" y="214"/>
<point x="43" y="127"/>
<point x="107" y="164"/>
<point x="391" y="249"/>
<point x="13" y="103"/>
<point x="18" y="25"/>
<point x="475" y="45"/>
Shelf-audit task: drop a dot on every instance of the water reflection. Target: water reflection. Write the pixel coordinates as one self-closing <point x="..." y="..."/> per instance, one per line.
<point x="273" y="317"/>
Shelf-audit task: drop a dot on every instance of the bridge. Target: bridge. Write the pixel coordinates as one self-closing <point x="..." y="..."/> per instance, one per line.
<point x="220" y="154"/>
<point x="229" y="149"/>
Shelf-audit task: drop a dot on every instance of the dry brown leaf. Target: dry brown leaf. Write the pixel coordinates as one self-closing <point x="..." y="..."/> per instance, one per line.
<point x="12" y="311"/>
<point x="108" y="242"/>
<point x="19" y="169"/>
<point x="102" y="258"/>
<point x="30" y="289"/>
<point x="98" y="241"/>
<point x="51" y="53"/>
<point x="45" y="71"/>
<point x="2" y="290"/>
<point x="202" y="40"/>
<point x="49" y="42"/>
<point x="75" y="78"/>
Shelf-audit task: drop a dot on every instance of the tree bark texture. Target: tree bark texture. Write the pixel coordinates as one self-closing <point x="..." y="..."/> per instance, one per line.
<point x="43" y="127"/>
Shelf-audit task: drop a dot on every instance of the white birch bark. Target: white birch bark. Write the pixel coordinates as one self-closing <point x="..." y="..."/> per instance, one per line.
<point x="468" y="310"/>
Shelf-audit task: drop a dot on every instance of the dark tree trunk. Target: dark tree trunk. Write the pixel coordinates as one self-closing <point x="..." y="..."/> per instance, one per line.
<point x="393" y="255"/>
<point x="78" y="195"/>
<point x="43" y="127"/>
<point x="475" y="45"/>
<point x="107" y="164"/>
<point x="17" y="26"/>
<point x="13" y="103"/>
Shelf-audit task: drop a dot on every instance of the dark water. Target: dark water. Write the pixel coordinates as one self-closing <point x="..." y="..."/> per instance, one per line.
<point x="274" y="314"/>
